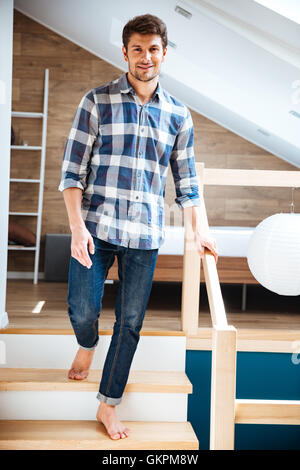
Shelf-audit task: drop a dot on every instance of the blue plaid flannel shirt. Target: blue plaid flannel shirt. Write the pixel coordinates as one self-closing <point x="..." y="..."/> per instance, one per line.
<point x="118" y="152"/>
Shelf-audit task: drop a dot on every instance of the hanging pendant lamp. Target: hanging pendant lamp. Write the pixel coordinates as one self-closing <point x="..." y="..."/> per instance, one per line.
<point x="274" y="253"/>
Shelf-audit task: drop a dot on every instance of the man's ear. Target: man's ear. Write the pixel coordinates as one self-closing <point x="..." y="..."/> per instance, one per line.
<point x="124" y="53"/>
<point x="164" y="55"/>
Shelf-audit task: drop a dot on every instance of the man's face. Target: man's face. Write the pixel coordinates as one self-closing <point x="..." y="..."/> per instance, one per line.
<point x="144" y="56"/>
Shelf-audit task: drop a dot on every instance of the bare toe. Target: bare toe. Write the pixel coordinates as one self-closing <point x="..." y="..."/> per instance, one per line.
<point x="111" y="423"/>
<point x="80" y="375"/>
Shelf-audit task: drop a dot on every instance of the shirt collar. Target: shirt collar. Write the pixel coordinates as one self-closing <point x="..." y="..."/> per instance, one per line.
<point x="126" y="87"/>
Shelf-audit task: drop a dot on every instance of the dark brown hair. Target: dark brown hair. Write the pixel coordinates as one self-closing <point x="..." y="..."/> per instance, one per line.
<point x="145" y="24"/>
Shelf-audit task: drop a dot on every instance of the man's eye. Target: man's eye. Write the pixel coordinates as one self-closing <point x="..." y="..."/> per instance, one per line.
<point x="153" y="49"/>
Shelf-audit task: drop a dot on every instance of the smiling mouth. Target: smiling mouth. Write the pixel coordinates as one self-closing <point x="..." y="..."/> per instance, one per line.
<point x="145" y="68"/>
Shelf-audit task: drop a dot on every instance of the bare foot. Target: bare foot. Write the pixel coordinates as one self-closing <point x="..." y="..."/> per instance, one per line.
<point x="81" y="364"/>
<point x="106" y="415"/>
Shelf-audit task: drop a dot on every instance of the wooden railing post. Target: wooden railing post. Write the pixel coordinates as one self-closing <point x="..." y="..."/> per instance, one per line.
<point x="190" y="298"/>
<point x="223" y="388"/>
<point x="190" y="279"/>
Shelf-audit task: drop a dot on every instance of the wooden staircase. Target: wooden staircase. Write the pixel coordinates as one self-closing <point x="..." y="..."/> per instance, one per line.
<point x="40" y="408"/>
<point x="90" y="435"/>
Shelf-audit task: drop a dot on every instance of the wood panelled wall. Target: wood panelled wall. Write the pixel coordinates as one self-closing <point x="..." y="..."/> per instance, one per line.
<point x="72" y="72"/>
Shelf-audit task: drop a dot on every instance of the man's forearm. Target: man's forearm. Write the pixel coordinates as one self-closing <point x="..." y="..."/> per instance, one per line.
<point x="72" y="198"/>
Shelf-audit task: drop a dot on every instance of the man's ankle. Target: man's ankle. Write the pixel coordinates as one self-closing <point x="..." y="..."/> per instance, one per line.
<point x="106" y="405"/>
<point x="86" y="350"/>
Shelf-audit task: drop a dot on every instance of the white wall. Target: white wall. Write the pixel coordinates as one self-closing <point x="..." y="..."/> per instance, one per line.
<point x="235" y="62"/>
<point x="6" y="43"/>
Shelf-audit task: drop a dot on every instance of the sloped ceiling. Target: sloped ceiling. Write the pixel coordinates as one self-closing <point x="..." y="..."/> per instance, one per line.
<point x="235" y="62"/>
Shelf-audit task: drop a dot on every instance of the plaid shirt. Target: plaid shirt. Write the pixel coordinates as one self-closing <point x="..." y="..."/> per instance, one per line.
<point x="118" y="153"/>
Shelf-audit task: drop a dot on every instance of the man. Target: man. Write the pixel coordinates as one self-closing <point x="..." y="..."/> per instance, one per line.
<point x="114" y="172"/>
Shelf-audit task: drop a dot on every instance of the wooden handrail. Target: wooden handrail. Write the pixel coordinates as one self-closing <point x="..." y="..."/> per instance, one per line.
<point x="226" y="410"/>
<point x="191" y="271"/>
<point x="215" y="299"/>
<point x="237" y="177"/>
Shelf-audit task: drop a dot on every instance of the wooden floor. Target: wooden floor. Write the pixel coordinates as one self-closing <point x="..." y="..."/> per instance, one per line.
<point x="44" y="306"/>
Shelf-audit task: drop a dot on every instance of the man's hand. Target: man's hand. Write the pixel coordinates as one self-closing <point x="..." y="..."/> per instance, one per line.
<point x="81" y="237"/>
<point x="206" y="241"/>
<point x="202" y="238"/>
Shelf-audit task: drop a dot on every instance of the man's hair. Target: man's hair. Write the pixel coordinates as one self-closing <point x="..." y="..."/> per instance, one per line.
<point x="145" y="24"/>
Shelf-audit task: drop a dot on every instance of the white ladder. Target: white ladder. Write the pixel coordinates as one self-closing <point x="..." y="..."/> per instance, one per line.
<point x="42" y="148"/>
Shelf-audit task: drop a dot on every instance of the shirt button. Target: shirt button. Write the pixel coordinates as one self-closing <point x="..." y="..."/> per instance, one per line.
<point x="136" y="197"/>
<point x="142" y="129"/>
<point x="140" y="153"/>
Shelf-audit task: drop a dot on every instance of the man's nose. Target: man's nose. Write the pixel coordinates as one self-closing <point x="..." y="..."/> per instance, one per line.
<point x="146" y="55"/>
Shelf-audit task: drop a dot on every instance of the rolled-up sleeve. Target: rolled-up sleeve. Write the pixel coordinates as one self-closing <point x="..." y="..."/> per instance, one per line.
<point x="78" y="148"/>
<point x="182" y="161"/>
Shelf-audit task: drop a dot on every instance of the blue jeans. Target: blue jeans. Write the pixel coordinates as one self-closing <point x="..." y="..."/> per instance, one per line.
<point x="85" y="292"/>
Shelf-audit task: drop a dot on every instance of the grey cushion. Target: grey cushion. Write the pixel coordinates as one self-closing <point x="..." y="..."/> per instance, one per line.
<point x="57" y="257"/>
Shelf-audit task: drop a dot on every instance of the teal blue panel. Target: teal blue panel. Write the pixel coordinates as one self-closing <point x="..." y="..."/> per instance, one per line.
<point x="259" y="376"/>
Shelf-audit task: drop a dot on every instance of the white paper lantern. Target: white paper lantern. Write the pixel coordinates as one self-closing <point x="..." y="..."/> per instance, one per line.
<point x="274" y="253"/>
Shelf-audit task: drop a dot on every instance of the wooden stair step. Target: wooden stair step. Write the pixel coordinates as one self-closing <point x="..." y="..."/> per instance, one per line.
<point x="67" y="435"/>
<point x="26" y="379"/>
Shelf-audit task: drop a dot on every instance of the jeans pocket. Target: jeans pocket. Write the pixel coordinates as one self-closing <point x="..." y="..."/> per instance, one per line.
<point x="102" y="244"/>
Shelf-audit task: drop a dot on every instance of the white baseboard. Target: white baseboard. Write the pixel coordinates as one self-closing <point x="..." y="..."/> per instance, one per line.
<point x="58" y="405"/>
<point x="58" y="351"/>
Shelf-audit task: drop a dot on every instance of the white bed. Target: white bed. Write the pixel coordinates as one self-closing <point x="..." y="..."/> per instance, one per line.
<point x="231" y="241"/>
